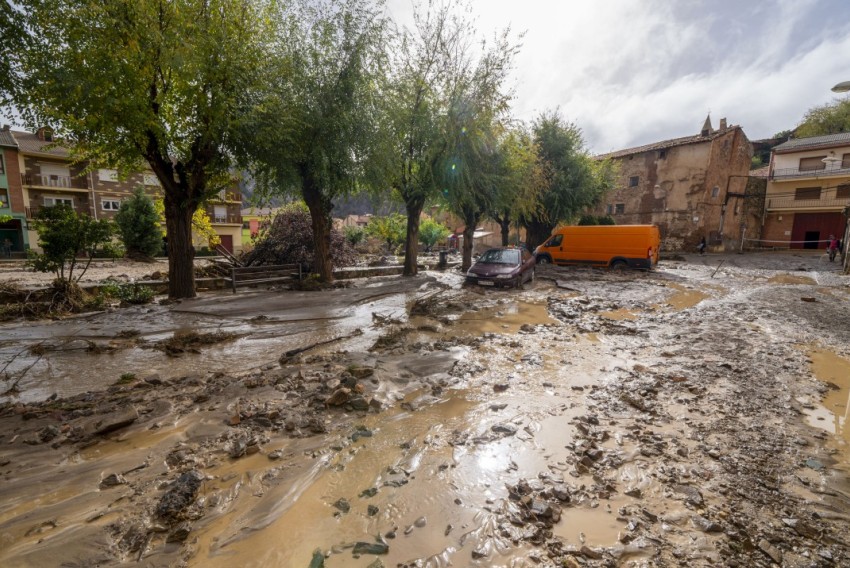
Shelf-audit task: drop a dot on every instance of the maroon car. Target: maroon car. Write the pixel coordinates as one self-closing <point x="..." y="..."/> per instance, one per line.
<point x="502" y="267"/>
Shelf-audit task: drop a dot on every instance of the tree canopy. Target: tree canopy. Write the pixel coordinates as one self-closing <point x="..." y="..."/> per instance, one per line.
<point x="831" y="118"/>
<point x="159" y="83"/>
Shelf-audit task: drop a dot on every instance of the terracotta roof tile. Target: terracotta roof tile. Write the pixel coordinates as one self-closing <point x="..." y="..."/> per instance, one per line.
<point x="29" y="143"/>
<point x="6" y="139"/>
<point x="814" y="142"/>
<point x="672" y="143"/>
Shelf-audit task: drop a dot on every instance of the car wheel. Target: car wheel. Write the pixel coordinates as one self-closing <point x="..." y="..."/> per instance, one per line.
<point x="619" y="265"/>
<point x="543" y="260"/>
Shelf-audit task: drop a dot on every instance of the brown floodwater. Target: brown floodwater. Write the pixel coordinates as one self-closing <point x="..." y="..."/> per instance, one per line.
<point x="504" y="318"/>
<point x="792" y="279"/>
<point x="832" y="414"/>
<point x="619" y="314"/>
<point x="683" y="297"/>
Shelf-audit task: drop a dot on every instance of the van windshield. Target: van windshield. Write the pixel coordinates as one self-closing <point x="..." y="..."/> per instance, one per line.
<point x="499" y="256"/>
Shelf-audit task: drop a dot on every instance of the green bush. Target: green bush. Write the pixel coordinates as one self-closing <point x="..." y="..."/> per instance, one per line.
<point x="138" y="225"/>
<point x="126" y="293"/>
<point x="354" y="235"/>
<point x="588" y="220"/>
<point x="431" y="233"/>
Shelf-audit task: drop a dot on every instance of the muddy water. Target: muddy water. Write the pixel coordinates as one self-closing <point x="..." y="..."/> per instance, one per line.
<point x="505" y="318"/>
<point x="619" y="315"/>
<point x="67" y="367"/>
<point x="792" y="279"/>
<point x="683" y="297"/>
<point x="832" y="415"/>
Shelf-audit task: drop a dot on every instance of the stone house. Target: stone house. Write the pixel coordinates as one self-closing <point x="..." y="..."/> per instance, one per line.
<point x="808" y="192"/>
<point x="691" y="187"/>
<point x="40" y="173"/>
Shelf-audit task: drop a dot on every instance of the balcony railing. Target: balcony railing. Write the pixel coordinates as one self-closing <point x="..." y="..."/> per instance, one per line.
<point x="232" y="219"/>
<point x="790" y="173"/>
<point x="57" y="181"/>
<point x="837" y="203"/>
<point x="227" y="196"/>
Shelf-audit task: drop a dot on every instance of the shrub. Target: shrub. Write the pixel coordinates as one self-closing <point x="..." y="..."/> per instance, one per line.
<point x="288" y="239"/>
<point x="63" y="237"/>
<point x="431" y="233"/>
<point x="354" y="235"/>
<point x="138" y="225"/>
<point x="606" y="220"/>
<point x="391" y="229"/>
<point x="588" y="220"/>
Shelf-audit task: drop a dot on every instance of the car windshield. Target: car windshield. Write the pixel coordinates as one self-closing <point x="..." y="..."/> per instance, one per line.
<point x="499" y="256"/>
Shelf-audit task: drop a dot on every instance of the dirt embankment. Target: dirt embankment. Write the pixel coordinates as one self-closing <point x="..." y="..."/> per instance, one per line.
<point x="595" y="419"/>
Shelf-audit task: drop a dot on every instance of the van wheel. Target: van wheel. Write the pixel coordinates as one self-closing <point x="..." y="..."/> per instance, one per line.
<point x="543" y="260"/>
<point x="619" y="265"/>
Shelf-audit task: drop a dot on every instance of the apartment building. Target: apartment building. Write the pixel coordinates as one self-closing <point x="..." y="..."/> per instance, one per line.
<point x="808" y="192"/>
<point x="38" y="173"/>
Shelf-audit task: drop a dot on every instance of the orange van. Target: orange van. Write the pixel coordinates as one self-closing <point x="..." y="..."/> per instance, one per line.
<point x="617" y="246"/>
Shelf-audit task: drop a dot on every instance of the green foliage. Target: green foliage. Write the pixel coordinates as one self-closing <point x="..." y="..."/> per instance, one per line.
<point x="133" y="293"/>
<point x="126" y="378"/>
<point x="63" y="236"/>
<point x="431" y="233"/>
<point x="756" y="162"/>
<point x="831" y="118"/>
<point x="354" y="234"/>
<point x="606" y="220"/>
<point x="391" y="229"/>
<point x="588" y="219"/>
<point x="574" y="182"/>
<point x="112" y="250"/>
<point x="138" y="225"/>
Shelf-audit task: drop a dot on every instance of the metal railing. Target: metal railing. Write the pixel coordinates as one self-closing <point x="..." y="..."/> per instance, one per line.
<point x="229" y="218"/>
<point x="787" y="173"/>
<point x="837" y="203"/>
<point x="51" y="180"/>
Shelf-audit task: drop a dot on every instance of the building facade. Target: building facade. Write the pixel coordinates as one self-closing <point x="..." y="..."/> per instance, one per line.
<point x="40" y="173"/>
<point x="691" y="187"/>
<point x="808" y="192"/>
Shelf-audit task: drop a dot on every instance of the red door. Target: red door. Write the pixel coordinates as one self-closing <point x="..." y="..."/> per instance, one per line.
<point x="227" y="242"/>
<point x="810" y="228"/>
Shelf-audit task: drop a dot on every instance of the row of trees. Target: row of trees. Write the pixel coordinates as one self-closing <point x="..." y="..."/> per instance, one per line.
<point x="315" y="99"/>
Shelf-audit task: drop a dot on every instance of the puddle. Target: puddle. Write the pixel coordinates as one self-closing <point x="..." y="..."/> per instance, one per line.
<point x="684" y="298"/>
<point x="619" y="315"/>
<point x="791" y="279"/>
<point x="592" y="526"/>
<point x="832" y="414"/>
<point x="505" y="318"/>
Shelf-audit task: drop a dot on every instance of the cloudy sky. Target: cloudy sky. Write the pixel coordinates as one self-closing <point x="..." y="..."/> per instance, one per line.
<point x="631" y="72"/>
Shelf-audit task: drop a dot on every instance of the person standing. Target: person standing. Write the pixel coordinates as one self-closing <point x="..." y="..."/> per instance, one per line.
<point x="832" y="247"/>
<point x="701" y="246"/>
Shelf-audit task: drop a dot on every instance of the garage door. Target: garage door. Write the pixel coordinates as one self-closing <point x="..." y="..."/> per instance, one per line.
<point x="810" y="229"/>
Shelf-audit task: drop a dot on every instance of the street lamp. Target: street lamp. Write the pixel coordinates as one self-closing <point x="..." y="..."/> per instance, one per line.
<point x="841" y="87"/>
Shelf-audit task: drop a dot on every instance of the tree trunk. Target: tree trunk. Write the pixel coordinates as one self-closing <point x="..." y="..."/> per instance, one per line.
<point x="505" y="224"/>
<point x="468" y="243"/>
<point x="181" y="252"/>
<point x="411" y="243"/>
<point x="536" y="233"/>
<point x="320" y="217"/>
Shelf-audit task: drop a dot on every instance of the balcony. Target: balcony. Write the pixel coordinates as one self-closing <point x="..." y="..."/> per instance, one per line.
<point x="227" y="197"/>
<point x="813" y="173"/>
<point x="54" y="181"/>
<point x="789" y="203"/>
<point x="226" y="219"/>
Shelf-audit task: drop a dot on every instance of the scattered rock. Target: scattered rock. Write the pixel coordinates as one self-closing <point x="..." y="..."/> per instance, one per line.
<point x="371" y="548"/>
<point x="774" y="553"/>
<point x="342" y="504"/>
<point x="182" y="494"/>
<point x="112" y="480"/>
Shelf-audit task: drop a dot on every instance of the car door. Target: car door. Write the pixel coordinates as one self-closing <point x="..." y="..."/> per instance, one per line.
<point x="554" y="247"/>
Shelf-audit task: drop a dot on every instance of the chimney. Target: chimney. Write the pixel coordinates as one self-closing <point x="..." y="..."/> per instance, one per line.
<point x="6" y="128"/>
<point x="45" y="134"/>
<point x="722" y="125"/>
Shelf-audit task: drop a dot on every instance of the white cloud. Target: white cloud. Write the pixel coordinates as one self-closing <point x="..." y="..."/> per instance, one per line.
<point x="630" y="72"/>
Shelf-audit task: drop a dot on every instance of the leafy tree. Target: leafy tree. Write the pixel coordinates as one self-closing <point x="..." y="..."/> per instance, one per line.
<point x="161" y="83"/>
<point x="203" y="233"/>
<point x="831" y="118"/>
<point x="288" y="239"/>
<point x="432" y="232"/>
<point x="433" y="70"/>
<point x="138" y="225"/>
<point x="588" y="219"/>
<point x="574" y="181"/>
<point x="354" y="235"/>
<point x="522" y="177"/>
<point x="64" y="236"/>
<point x="324" y="75"/>
<point x="389" y="229"/>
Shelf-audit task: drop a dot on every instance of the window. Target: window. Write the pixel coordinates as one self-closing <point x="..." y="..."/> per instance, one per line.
<point x="51" y="201"/>
<point x="107" y="175"/>
<point x="4" y="199"/>
<point x="2" y="167"/>
<point x="620" y="209"/>
<point x="633" y="181"/>
<point x="715" y="191"/>
<point x="55" y="175"/>
<point x="662" y="154"/>
<point x="555" y="241"/>
<point x="110" y="204"/>
<point x="610" y="210"/>
<point x="220" y="214"/>
<point x="803" y="193"/>
<point x="845" y="161"/>
<point x="843" y="191"/>
<point x="812" y="164"/>
<point x="150" y="179"/>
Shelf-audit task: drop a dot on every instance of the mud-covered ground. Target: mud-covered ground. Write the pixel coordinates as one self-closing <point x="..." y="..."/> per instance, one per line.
<point x="692" y="416"/>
